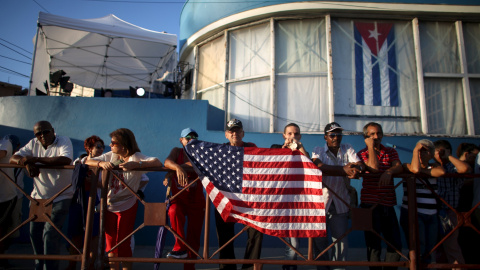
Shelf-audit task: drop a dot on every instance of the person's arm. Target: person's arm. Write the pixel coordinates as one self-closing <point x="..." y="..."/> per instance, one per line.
<point x="100" y="162"/>
<point x="436" y="170"/>
<point x="336" y="170"/>
<point x="144" y="163"/>
<point x="415" y="166"/>
<point x="387" y="176"/>
<point x="181" y="170"/>
<point x="301" y="148"/>
<point x="372" y="161"/>
<point x="47" y="160"/>
<point x="462" y="166"/>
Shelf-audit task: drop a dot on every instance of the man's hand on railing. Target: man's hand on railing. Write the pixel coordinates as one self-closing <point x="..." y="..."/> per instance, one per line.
<point x="33" y="171"/>
<point x="351" y="170"/>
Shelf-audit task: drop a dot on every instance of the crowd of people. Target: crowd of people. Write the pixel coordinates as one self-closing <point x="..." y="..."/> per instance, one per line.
<point x="431" y="163"/>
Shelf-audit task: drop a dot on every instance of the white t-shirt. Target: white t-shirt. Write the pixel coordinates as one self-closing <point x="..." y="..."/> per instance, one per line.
<point x="50" y="181"/>
<point x="119" y="198"/>
<point x="8" y="191"/>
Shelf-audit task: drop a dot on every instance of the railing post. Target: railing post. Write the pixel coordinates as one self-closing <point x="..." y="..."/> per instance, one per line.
<point x="103" y="209"/>
<point x="413" y="238"/>
<point x="207" y="227"/>
<point x="310" y="249"/>
<point x="86" y="258"/>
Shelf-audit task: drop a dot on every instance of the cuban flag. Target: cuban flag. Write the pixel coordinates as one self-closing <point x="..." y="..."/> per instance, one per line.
<point x="375" y="64"/>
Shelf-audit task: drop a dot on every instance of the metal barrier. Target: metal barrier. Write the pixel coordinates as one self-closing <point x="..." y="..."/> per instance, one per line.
<point x="155" y="215"/>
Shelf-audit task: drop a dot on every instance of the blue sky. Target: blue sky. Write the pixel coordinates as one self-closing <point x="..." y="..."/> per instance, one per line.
<point x="18" y="25"/>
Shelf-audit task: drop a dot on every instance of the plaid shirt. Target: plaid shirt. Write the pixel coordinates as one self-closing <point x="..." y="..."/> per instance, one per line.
<point x="372" y="193"/>
<point x="449" y="187"/>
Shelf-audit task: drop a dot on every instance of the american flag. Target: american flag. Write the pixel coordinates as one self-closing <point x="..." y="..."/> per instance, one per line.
<point x="276" y="191"/>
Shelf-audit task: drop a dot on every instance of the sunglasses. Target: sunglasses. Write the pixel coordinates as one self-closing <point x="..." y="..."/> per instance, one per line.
<point x="333" y="135"/>
<point x="43" y="132"/>
<point x="114" y="143"/>
<point x="191" y="137"/>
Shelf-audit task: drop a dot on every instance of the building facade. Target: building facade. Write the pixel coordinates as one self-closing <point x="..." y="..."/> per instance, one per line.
<point x="413" y="66"/>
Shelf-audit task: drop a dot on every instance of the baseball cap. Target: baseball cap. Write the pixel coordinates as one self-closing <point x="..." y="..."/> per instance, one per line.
<point x="187" y="131"/>
<point x="234" y="123"/>
<point x="14" y="140"/>
<point x="332" y="126"/>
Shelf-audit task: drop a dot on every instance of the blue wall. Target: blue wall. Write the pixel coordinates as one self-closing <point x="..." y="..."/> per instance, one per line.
<point x="157" y="124"/>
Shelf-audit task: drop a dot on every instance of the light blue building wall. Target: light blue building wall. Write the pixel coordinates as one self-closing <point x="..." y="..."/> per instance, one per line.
<point x="157" y="124"/>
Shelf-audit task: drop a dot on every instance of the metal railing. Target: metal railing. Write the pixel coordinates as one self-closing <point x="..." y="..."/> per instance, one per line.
<point x="156" y="215"/>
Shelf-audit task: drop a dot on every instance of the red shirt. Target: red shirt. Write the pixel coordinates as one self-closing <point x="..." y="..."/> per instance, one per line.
<point x="372" y="193"/>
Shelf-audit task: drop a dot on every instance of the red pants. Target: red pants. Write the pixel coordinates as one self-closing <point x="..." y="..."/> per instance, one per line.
<point x="194" y="210"/>
<point x="117" y="226"/>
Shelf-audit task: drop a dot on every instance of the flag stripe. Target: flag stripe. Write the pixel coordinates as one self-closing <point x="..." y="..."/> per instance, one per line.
<point x="360" y="94"/>
<point x="280" y="177"/>
<point x="279" y="206"/>
<point x="274" y="198"/>
<point x="392" y="62"/>
<point x="266" y="171"/>
<point x="290" y="229"/>
<point x="272" y="191"/>
<point x="283" y="216"/>
<point x="376" y="82"/>
<point x="281" y="184"/>
<point x="274" y="165"/>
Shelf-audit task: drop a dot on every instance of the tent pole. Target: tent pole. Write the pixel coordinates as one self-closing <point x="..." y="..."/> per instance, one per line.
<point x="33" y="61"/>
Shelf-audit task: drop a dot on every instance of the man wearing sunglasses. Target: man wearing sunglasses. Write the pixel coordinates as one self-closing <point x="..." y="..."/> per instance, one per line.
<point x="339" y="162"/>
<point x="189" y="204"/>
<point x="47" y="149"/>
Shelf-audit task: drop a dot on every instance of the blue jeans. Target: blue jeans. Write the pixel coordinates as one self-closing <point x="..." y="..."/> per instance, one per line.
<point x="289" y="253"/>
<point x="427" y="232"/>
<point x="45" y="239"/>
<point x="337" y="225"/>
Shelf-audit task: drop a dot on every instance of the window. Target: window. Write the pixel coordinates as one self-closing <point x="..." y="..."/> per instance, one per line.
<point x="276" y="71"/>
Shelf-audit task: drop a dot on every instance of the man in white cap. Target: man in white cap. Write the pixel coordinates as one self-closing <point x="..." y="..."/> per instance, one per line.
<point x="225" y="230"/>
<point x="340" y="163"/>
<point x="190" y="204"/>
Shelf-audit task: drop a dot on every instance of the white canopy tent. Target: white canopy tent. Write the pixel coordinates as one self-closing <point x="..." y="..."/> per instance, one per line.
<point x="100" y="53"/>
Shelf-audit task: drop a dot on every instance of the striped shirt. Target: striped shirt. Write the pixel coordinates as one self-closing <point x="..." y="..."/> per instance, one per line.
<point x="426" y="200"/>
<point x="372" y="193"/>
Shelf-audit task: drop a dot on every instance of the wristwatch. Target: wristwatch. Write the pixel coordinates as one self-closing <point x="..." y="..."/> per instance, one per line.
<point x="141" y="163"/>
